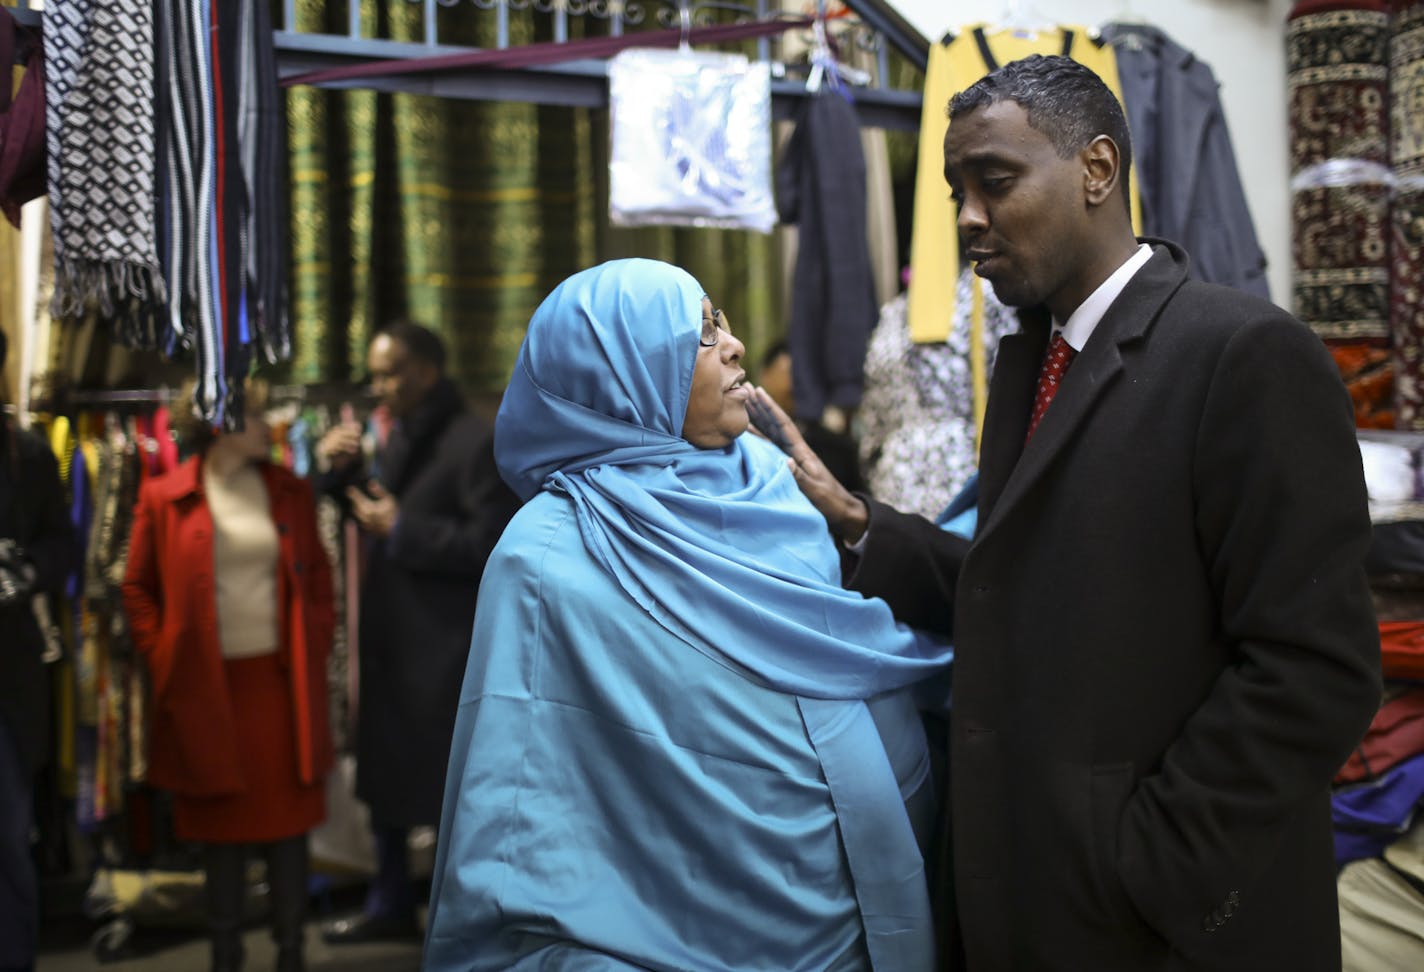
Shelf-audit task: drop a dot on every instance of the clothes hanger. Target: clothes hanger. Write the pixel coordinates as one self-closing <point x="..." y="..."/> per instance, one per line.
<point x="1129" y="37"/>
<point x="824" y="64"/>
<point x="1023" y="20"/>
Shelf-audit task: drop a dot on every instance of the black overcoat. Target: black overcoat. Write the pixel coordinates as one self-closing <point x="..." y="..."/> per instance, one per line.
<point x="1165" y="641"/>
<point x="34" y="514"/>
<point x="418" y="603"/>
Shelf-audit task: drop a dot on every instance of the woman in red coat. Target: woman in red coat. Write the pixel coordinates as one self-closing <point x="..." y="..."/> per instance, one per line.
<point x="228" y="593"/>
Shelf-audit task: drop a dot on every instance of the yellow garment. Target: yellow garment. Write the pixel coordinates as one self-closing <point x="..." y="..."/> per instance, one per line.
<point x="61" y="441"/>
<point x="10" y="318"/>
<point x="64" y="722"/>
<point x="934" y="243"/>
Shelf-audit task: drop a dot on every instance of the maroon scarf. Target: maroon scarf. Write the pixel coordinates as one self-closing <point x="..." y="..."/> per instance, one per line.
<point x="22" y="120"/>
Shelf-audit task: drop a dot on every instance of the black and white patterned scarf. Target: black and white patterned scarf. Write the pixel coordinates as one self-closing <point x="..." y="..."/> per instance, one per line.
<point x="100" y="138"/>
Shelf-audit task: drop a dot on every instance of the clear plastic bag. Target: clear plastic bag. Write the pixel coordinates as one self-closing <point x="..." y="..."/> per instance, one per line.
<point x="691" y="140"/>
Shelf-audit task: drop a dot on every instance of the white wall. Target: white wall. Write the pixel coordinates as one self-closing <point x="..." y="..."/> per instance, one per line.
<point x="1242" y="40"/>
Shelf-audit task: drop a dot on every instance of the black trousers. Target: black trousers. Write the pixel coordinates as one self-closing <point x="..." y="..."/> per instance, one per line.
<point x="227" y="888"/>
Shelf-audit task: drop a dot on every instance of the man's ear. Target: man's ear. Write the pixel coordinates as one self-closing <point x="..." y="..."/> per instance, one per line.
<point x="1101" y="163"/>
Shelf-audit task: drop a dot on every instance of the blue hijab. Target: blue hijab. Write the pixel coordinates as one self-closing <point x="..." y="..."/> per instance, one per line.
<point x="718" y="545"/>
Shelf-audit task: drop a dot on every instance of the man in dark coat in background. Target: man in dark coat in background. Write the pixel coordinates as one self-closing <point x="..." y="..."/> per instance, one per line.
<point x="1165" y="645"/>
<point x="36" y="553"/>
<point x="432" y="509"/>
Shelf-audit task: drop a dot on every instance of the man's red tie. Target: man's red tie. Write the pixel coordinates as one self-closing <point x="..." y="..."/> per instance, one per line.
<point x="1055" y="365"/>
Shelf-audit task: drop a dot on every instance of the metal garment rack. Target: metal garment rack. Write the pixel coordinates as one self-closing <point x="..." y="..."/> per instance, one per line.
<point x="584" y="83"/>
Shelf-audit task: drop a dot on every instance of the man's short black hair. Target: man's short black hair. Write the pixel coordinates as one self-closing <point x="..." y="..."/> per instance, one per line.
<point x="1066" y="102"/>
<point x="419" y="341"/>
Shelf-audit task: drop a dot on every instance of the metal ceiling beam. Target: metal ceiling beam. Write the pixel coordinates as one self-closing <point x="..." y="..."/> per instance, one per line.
<point x="578" y="84"/>
<point x="581" y="84"/>
<point x="899" y="32"/>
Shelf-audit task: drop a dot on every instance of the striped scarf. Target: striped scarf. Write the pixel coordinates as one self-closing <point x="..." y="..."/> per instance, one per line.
<point x="222" y="213"/>
<point x="100" y="139"/>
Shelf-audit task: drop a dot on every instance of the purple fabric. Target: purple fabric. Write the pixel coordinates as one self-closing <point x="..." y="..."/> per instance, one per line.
<point x="1370" y="816"/>
<point x="22" y="123"/>
<point x="1350" y="846"/>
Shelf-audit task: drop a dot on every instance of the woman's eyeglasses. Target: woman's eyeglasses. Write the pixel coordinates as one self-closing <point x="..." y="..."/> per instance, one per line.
<point x="711" y="328"/>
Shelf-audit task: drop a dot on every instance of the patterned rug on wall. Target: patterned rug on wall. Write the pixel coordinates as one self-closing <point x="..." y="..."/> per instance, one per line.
<point x="1338" y="63"/>
<point x="1406" y="95"/>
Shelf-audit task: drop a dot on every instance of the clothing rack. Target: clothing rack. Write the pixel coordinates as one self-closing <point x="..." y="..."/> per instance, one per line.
<point x="584" y="83"/>
<point x="322" y="394"/>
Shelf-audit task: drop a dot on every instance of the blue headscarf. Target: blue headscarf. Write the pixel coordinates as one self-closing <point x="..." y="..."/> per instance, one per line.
<point x="718" y="545"/>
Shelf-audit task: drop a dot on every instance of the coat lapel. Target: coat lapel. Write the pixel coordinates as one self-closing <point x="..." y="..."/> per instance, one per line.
<point x="1010" y="401"/>
<point x="1097" y="366"/>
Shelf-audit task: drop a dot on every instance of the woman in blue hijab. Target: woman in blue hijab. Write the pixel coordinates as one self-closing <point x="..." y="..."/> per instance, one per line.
<point x="681" y="744"/>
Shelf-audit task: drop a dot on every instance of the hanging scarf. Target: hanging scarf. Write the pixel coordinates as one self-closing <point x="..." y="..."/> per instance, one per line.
<point x="99" y="97"/>
<point x="718" y="545"/>
<point x="261" y="131"/>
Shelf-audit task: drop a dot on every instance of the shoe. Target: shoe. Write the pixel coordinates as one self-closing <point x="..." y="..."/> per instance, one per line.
<point x="290" y="960"/>
<point x="371" y="928"/>
<point x="227" y="953"/>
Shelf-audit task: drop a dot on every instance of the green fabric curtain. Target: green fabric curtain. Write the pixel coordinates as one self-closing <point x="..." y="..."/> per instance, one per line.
<point x="462" y="215"/>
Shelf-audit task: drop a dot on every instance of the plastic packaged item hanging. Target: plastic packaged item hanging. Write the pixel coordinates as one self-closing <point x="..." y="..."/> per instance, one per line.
<point x="691" y="140"/>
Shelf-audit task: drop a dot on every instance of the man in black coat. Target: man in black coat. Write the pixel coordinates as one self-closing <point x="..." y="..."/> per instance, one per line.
<point x="432" y="512"/>
<point x="36" y="554"/>
<point x="1165" y="644"/>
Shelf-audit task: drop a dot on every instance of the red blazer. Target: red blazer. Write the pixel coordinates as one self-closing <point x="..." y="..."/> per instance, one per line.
<point x="169" y="593"/>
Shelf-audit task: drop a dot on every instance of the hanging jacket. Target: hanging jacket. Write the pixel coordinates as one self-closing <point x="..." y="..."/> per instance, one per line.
<point x="820" y="186"/>
<point x="1190" y="187"/>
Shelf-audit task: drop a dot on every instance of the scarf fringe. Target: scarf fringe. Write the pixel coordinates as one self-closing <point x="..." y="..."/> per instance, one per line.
<point x="129" y="295"/>
<point x="116" y="287"/>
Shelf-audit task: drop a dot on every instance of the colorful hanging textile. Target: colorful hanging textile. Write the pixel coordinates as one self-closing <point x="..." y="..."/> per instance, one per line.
<point x="1337" y="58"/>
<point x="1406" y="157"/>
<point x="919" y="420"/>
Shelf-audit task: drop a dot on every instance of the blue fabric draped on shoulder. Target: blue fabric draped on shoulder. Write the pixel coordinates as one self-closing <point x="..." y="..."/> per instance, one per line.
<point x="681" y="744"/>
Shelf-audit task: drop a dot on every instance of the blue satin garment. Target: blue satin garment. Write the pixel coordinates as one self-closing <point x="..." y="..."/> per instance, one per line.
<point x="681" y="744"/>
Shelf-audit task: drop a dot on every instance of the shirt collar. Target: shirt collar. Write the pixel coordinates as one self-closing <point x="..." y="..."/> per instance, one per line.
<point x="1082" y="321"/>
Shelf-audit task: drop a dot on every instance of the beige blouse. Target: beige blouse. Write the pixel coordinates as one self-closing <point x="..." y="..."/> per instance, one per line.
<point x="244" y="562"/>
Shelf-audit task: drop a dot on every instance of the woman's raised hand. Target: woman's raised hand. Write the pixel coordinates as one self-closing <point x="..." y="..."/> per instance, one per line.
<point x="845" y="513"/>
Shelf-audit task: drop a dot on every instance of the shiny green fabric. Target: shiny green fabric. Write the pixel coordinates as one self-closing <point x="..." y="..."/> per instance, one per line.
<point x="463" y="215"/>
